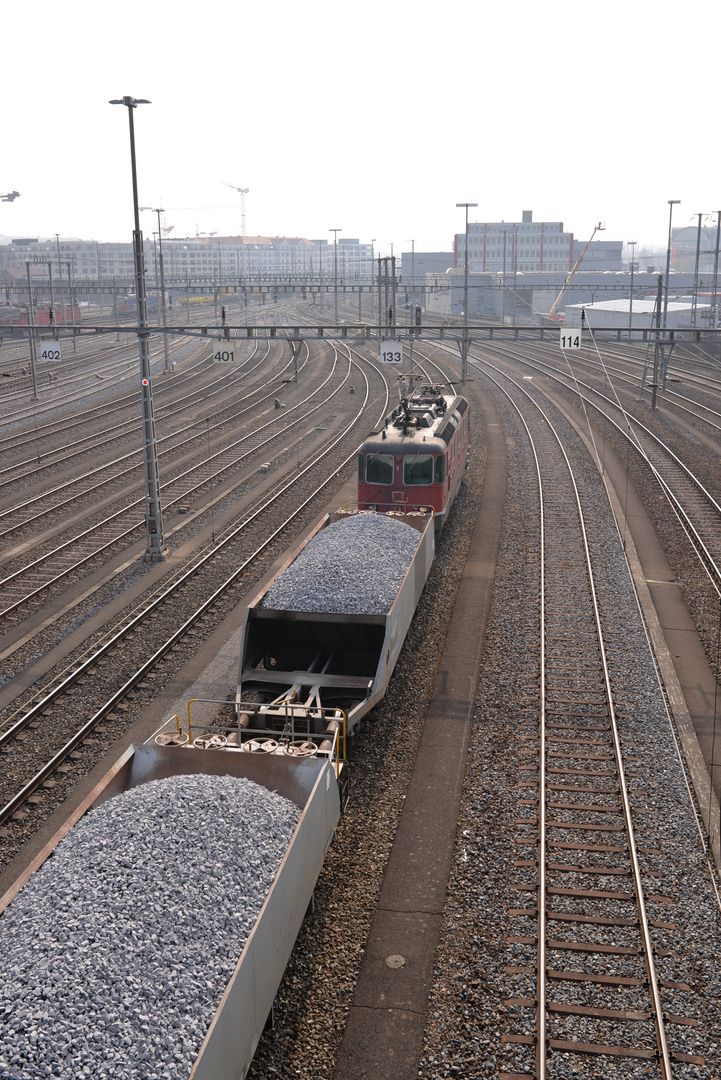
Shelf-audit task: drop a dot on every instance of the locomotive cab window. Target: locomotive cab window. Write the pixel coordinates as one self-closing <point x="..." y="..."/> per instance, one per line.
<point x="418" y="469"/>
<point x="379" y="469"/>
<point x="361" y="468"/>
<point x="440" y="469"/>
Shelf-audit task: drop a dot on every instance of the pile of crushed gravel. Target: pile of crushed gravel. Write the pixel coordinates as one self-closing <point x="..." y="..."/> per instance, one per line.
<point x="356" y="566"/>
<point x="114" y="956"/>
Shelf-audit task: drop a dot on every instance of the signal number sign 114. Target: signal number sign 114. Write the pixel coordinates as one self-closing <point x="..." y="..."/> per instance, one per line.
<point x="570" y="339"/>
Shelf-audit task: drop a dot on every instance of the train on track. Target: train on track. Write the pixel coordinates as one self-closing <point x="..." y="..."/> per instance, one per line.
<point x="318" y="647"/>
<point x="59" y="315"/>
<point x="417" y="457"/>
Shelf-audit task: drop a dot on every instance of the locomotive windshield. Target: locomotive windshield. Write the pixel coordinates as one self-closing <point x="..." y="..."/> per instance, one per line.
<point x="418" y="469"/>
<point x="379" y="469"/>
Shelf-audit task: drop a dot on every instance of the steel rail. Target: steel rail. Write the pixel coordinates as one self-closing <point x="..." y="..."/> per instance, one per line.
<point x="127" y="427"/>
<point x="707" y="559"/>
<point x="129" y="365"/>
<point x="631" y="381"/>
<point x="42" y="774"/>
<point x="630" y="833"/>
<point x="172" y="449"/>
<point x="254" y="449"/>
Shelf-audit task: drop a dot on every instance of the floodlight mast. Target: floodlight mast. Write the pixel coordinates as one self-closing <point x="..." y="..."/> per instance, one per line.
<point x="155" y="548"/>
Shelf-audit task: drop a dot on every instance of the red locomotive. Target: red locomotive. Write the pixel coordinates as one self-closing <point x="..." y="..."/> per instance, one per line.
<point x="417" y="457"/>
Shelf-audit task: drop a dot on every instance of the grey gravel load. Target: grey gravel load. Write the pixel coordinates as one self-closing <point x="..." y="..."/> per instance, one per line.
<point x="114" y="956"/>
<point x="355" y="566"/>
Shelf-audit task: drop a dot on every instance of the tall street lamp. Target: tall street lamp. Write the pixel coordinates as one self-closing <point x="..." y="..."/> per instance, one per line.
<point x="158" y="211"/>
<point x="464" y="345"/>
<point x="335" y="271"/>
<point x="632" y="245"/>
<point x="31" y="332"/>
<point x="671" y="203"/>
<point x="153" y="513"/>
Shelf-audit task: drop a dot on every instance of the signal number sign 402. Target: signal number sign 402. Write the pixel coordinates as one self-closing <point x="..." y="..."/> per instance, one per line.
<point x="51" y="352"/>
<point x="570" y="339"/>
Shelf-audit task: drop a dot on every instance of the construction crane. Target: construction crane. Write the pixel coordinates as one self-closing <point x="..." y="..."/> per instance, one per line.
<point x="567" y="282"/>
<point x="242" y="191"/>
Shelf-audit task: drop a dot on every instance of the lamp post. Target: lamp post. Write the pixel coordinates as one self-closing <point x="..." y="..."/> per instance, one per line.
<point x="671" y="203"/>
<point x="159" y="211"/>
<point x="464" y="345"/>
<point x="373" y="272"/>
<point x="31" y="331"/>
<point x="632" y="245"/>
<point x="153" y="512"/>
<point x="465" y="271"/>
<point x="715" y="270"/>
<point x="335" y="272"/>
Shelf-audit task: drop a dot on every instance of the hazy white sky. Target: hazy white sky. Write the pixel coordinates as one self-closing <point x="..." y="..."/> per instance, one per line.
<point x="374" y="117"/>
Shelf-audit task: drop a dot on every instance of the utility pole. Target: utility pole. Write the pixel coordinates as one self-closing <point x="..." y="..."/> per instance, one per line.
<point x="657" y="345"/>
<point x="158" y="211"/>
<point x="464" y="345"/>
<point x="632" y="245"/>
<point x="31" y="330"/>
<point x="694" y="306"/>
<point x="714" y="303"/>
<point x="335" y="272"/>
<point x="155" y="548"/>
<point x="671" y="203"/>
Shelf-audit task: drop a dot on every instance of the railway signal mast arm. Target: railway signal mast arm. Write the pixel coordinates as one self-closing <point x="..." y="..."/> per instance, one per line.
<point x="579" y="260"/>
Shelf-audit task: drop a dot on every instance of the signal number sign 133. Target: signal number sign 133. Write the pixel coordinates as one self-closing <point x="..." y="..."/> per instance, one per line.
<point x="391" y="352"/>
<point x="570" y="339"/>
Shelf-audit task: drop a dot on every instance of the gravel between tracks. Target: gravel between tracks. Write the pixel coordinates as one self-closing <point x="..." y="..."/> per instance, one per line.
<point x="467" y="1011"/>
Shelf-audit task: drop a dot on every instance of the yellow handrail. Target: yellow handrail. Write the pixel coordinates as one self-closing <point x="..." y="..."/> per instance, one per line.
<point x="190" y="732"/>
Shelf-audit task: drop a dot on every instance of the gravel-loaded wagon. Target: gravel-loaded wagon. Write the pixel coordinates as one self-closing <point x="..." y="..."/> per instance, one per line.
<point x="321" y="640"/>
<point x="153" y="942"/>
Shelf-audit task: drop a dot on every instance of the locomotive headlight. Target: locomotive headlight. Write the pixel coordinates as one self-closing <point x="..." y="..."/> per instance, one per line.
<point x="373" y="507"/>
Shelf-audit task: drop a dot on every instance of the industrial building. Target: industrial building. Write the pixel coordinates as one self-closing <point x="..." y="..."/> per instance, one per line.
<point x="528" y="297"/>
<point x="216" y="260"/>
<point x="617" y="314"/>
<point x="529" y="246"/>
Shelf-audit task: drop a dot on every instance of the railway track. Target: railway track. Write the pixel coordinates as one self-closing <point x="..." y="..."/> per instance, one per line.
<point x="46" y="571"/>
<point x="317" y="1009"/>
<point x="572" y="941"/>
<point x="213" y="574"/>
<point x="68" y="382"/>
<point x="591" y="869"/>
<point x="696" y="507"/>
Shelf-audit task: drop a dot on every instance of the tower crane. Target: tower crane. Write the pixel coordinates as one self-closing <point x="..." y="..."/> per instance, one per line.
<point x="242" y="191"/>
<point x="567" y="282"/>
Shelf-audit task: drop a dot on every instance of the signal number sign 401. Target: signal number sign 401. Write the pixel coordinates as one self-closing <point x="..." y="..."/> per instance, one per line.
<point x="224" y="355"/>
